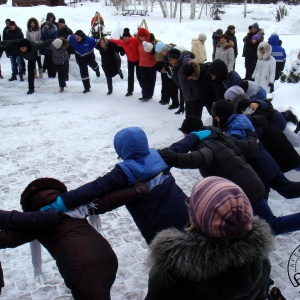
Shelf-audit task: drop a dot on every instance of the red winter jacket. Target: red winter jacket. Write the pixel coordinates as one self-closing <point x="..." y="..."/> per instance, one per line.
<point x="146" y="58"/>
<point x="130" y="47"/>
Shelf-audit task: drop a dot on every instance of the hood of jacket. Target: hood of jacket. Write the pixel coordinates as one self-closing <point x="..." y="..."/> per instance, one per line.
<point x="177" y="252"/>
<point x="267" y="54"/>
<point x="50" y="14"/>
<point x="240" y="103"/>
<point x="36" y="22"/>
<point x="274" y="40"/>
<point x="219" y="69"/>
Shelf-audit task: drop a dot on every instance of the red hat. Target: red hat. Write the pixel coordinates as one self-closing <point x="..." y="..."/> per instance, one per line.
<point x="143" y="32"/>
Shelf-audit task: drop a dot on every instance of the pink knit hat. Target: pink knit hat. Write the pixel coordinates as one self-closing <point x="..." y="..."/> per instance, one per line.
<point x="219" y="208"/>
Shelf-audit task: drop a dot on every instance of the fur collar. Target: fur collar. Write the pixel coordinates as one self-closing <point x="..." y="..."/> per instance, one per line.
<point x="226" y="45"/>
<point x="195" y="257"/>
<point x="196" y="68"/>
<point x="268" y="52"/>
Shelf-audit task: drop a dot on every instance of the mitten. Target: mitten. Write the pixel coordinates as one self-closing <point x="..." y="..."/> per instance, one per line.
<point x="58" y="205"/>
<point x="168" y="156"/>
<point x="147" y="46"/>
<point x="203" y="134"/>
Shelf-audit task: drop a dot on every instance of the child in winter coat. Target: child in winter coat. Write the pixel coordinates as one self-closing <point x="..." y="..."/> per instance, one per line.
<point x="162" y="208"/>
<point x="225" y="51"/>
<point x="198" y="48"/>
<point x="60" y="54"/>
<point x="184" y="264"/>
<point x="265" y="69"/>
<point x="111" y="61"/>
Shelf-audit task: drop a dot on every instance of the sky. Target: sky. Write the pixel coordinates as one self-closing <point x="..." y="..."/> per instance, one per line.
<point x="69" y="136"/>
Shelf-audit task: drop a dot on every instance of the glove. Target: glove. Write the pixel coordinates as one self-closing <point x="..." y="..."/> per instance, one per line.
<point x="248" y="111"/>
<point x="202" y="135"/>
<point x="168" y="156"/>
<point x="58" y="205"/>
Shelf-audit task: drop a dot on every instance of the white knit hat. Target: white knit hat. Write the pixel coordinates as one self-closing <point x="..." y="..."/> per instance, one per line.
<point x="57" y="43"/>
<point x="202" y="37"/>
<point x="147" y="46"/>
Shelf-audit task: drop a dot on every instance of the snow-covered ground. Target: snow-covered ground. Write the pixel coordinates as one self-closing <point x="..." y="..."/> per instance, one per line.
<point x="69" y="136"/>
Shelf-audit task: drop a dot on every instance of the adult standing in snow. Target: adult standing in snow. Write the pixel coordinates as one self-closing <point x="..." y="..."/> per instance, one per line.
<point x="130" y="45"/>
<point x="15" y="33"/>
<point x="27" y="50"/>
<point x="34" y="34"/>
<point x="225" y="51"/>
<point x="147" y="63"/>
<point x="84" y="53"/>
<point x="231" y="36"/>
<point x="278" y="53"/>
<point x="215" y="40"/>
<point x="49" y="31"/>
<point x="265" y="70"/>
<point x="198" y="48"/>
<point x="184" y="264"/>
<point x="64" y="31"/>
<point x="161" y="208"/>
<point x="110" y="60"/>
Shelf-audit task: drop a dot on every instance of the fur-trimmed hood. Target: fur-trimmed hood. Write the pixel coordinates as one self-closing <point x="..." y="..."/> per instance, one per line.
<point x="196" y="68"/>
<point x="36" y="22"/>
<point x="65" y="44"/>
<point x="268" y="52"/>
<point x="177" y="252"/>
<point x="226" y="45"/>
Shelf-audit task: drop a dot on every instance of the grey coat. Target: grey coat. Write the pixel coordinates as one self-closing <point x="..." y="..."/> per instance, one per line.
<point x="59" y="56"/>
<point x="225" y="52"/>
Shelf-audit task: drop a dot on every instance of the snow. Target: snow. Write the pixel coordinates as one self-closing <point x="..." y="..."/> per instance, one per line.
<point x="69" y="136"/>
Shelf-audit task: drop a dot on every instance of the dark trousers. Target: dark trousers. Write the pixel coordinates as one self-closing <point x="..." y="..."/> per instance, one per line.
<point x="109" y="84"/>
<point x="169" y="89"/>
<point x="66" y="68"/>
<point x="30" y="69"/>
<point x="39" y="61"/>
<point x="193" y="108"/>
<point x="131" y="65"/>
<point x="181" y="100"/>
<point x="50" y="66"/>
<point x="61" y="75"/>
<point x="84" y="72"/>
<point x="147" y="81"/>
<point x="279" y="225"/>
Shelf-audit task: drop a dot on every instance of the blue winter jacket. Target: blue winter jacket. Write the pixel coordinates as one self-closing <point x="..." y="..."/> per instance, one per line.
<point x="262" y="162"/>
<point x="162" y="208"/>
<point x="84" y="47"/>
<point x="277" y="51"/>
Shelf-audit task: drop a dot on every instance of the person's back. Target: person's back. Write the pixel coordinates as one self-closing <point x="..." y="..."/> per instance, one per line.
<point x="190" y="268"/>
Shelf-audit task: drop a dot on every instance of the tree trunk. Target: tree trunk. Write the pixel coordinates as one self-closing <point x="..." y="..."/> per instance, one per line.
<point x="245" y="9"/>
<point x="193" y="9"/>
<point x="163" y="8"/>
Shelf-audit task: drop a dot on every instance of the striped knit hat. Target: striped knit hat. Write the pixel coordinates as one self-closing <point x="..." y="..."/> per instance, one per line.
<point x="219" y="208"/>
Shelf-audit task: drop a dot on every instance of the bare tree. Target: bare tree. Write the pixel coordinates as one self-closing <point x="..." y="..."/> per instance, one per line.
<point x="245" y="8"/>
<point x="193" y="9"/>
<point x="164" y="8"/>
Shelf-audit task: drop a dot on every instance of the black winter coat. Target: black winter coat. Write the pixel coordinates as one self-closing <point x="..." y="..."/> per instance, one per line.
<point x="232" y="38"/>
<point x="224" y="156"/>
<point x="189" y="266"/>
<point x="110" y="59"/>
<point x="16" y="34"/>
<point x="32" y="48"/>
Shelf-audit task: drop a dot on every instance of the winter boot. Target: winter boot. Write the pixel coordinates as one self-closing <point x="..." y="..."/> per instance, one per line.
<point x="35" y="74"/>
<point x="290" y="117"/>
<point x="275" y="294"/>
<point x="61" y="90"/>
<point x="40" y="72"/>
<point x="13" y="77"/>
<point x="1" y="77"/>
<point x="297" y="128"/>
<point x="21" y="78"/>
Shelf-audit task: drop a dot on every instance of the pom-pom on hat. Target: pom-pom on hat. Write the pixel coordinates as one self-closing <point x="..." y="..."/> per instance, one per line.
<point x="57" y="43"/>
<point x="220" y="209"/>
<point x="174" y="53"/>
<point x="159" y="46"/>
<point x="28" y="200"/>
<point x="255" y="26"/>
<point x="233" y="92"/>
<point x="166" y="48"/>
<point x="191" y="123"/>
<point x="61" y="20"/>
<point x="126" y="32"/>
<point x="202" y="37"/>
<point x="143" y="32"/>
